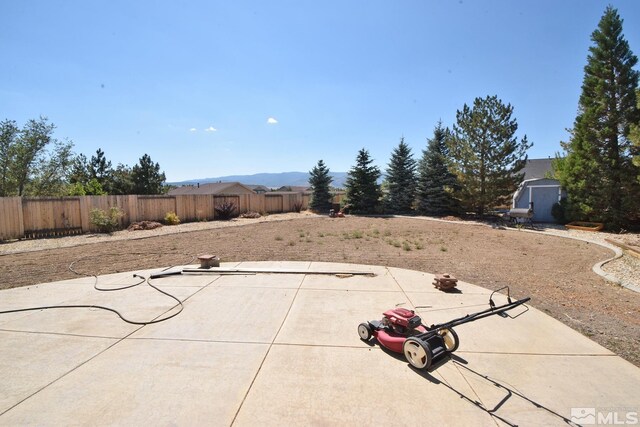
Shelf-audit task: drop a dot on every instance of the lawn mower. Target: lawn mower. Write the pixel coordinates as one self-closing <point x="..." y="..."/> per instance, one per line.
<point x="402" y="331"/>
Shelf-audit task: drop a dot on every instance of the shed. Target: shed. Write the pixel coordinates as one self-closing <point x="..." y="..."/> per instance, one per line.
<point x="543" y="193"/>
<point x="539" y="189"/>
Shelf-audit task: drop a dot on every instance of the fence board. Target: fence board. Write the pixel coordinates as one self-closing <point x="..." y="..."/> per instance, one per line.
<point x="273" y="203"/>
<point x="43" y="217"/>
<point x="195" y="207"/>
<point x="154" y="208"/>
<point x="40" y="217"/>
<point x="11" y="219"/>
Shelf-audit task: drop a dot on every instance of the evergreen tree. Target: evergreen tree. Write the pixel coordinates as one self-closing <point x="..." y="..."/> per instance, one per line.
<point x="436" y="183"/>
<point x="320" y="181"/>
<point x="81" y="182"/>
<point x="486" y="156"/>
<point x="598" y="172"/>
<point x="146" y="177"/>
<point x="79" y="170"/>
<point x="363" y="191"/>
<point x="122" y="180"/>
<point x="401" y="180"/>
<point x="634" y="136"/>
<point x="100" y="169"/>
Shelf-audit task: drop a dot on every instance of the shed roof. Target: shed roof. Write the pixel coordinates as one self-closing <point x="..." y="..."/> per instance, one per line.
<point x="537" y="168"/>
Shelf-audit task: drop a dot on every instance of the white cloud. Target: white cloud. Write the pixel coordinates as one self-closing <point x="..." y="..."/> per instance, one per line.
<point x="272" y="121"/>
<point x="193" y="130"/>
<point x="210" y="129"/>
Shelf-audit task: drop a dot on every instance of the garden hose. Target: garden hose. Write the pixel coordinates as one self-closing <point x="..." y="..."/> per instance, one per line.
<point x="113" y="310"/>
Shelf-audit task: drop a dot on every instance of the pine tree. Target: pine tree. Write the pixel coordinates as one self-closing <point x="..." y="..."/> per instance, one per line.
<point x="146" y="176"/>
<point x="634" y="136"/>
<point x="486" y="156"/>
<point x="320" y="181"/>
<point x="363" y="191"/>
<point x="401" y="180"/>
<point x="122" y="180"/>
<point x="598" y="172"/>
<point x="436" y="183"/>
<point x="100" y="169"/>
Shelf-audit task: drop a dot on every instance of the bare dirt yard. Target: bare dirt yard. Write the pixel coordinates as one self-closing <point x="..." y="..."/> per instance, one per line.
<point x="555" y="272"/>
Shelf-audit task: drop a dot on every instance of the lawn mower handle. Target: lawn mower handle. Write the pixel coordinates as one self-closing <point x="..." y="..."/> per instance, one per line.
<point x="475" y="316"/>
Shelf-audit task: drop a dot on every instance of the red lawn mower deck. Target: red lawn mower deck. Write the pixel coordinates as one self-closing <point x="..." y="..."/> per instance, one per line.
<point x="402" y="331"/>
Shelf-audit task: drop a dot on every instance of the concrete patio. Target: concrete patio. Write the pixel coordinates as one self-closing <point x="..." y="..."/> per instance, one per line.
<point x="270" y="349"/>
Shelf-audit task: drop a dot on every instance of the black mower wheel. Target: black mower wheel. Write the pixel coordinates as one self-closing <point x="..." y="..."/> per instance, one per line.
<point x="364" y="330"/>
<point x="418" y="353"/>
<point x="450" y="338"/>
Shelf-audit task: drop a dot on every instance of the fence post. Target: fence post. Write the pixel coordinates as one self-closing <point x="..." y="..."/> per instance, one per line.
<point x="84" y="214"/>
<point x="133" y="207"/>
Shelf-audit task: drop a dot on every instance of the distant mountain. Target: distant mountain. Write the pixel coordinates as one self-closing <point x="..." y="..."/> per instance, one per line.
<point x="274" y="180"/>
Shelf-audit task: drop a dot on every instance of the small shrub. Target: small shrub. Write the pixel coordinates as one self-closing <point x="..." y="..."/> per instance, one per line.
<point x="171" y="218"/>
<point x="558" y="211"/>
<point x="106" y="222"/>
<point x="278" y="238"/>
<point x="394" y="243"/>
<point x="357" y="234"/>
<point x="406" y="246"/>
<point x="225" y="211"/>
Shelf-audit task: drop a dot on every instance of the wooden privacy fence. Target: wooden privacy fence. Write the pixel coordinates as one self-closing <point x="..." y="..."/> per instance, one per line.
<point x="48" y="217"/>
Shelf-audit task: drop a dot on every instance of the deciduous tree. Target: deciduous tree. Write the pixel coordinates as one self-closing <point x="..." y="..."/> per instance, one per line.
<point x="8" y="135"/>
<point x="31" y="141"/>
<point x="50" y="175"/>
<point x="32" y="162"/>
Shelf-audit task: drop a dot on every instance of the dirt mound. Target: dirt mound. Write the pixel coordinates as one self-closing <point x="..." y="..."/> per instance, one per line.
<point x="144" y="225"/>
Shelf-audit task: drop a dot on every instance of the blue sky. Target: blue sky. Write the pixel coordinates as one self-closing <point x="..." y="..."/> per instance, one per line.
<point x="194" y="84"/>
